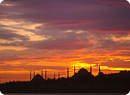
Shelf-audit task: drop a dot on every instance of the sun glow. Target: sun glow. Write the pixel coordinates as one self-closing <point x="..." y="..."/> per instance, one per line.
<point x="81" y="64"/>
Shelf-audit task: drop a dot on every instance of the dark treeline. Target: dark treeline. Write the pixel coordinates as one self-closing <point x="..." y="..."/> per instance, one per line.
<point x="81" y="82"/>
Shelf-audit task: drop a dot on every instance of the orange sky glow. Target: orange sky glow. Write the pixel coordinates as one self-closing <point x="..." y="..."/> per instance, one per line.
<point x="83" y="34"/>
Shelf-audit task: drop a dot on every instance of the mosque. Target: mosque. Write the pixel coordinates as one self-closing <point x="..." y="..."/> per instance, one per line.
<point x="82" y="74"/>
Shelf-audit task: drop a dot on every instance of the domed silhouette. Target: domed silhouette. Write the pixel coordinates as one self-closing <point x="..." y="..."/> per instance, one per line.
<point x="37" y="78"/>
<point x="83" y="74"/>
<point x="82" y="71"/>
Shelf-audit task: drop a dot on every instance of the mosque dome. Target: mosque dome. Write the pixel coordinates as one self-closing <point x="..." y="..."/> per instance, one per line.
<point x="83" y="74"/>
<point x="37" y="78"/>
<point x="82" y="71"/>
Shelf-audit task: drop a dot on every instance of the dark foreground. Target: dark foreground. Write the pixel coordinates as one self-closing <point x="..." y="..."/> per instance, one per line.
<point x="66" y="86"/>
<point x="67" y="94"/>
<point x="81" y="82"/>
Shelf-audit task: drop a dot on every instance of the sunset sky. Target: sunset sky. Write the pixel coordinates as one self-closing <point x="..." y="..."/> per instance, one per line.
<point x="57" y="34"/>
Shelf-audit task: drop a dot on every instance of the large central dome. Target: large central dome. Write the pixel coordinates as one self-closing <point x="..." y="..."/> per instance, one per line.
<point x="82" y="71"/>
<point x="37" y="78"/>
<point x="83" y="74"/>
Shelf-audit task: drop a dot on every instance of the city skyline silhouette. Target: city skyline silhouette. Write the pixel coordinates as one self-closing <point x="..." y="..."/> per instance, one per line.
<point x="81" y="82"/>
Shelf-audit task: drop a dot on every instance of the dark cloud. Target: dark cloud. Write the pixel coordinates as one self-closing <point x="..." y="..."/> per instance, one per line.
<point x="10" y="35"/>
<point x="69" y="12"/>
<point x="29" y="67"/>
<point x="117" y="63"/>
<point x="111" y="45"/>
<point x="62" y="45"/>
<point x="123" y="53"/>
<point x="60" y="15"/>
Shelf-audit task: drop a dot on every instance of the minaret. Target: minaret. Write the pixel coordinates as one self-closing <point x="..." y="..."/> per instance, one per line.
<point x="67" y="72"/>
<point x="91" y="69"/>
<point x="34" y="74"/>
<point x="30" y="76"/>
<point x="45" y="74"/>
<point x="54" y="75"/>
<point x="42" y="73"/>
<point x="74" y="70"/>
<point x="99" y="68"/>
<point x="58" y="75"/>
